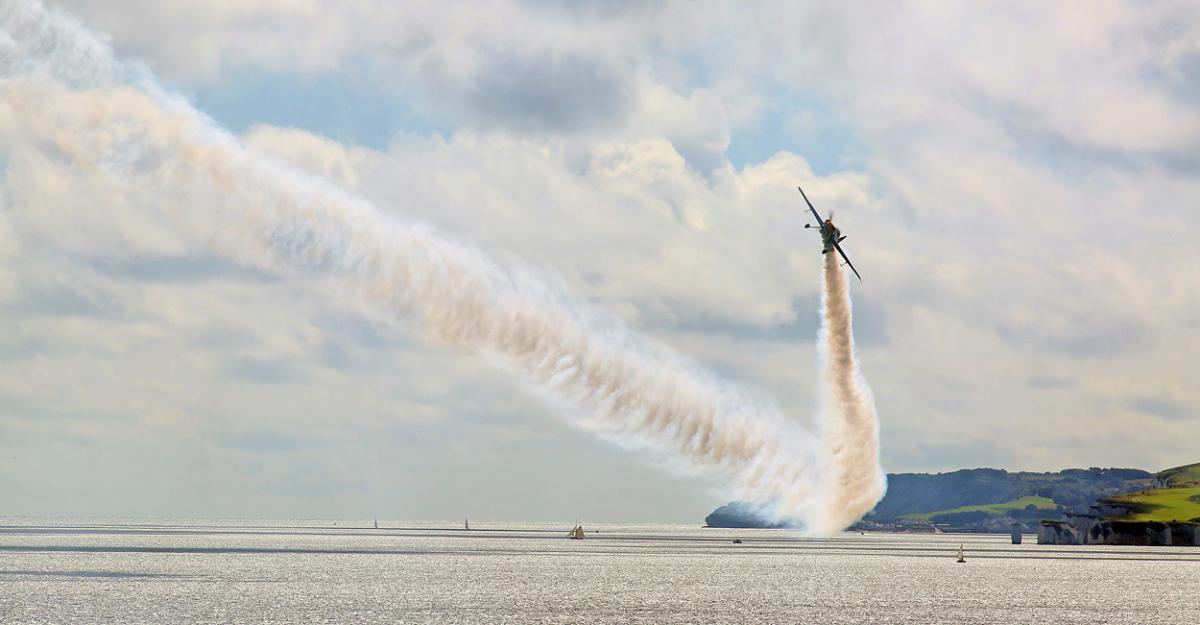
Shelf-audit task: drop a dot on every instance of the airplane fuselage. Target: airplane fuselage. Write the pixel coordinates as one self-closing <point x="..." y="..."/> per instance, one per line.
<point x="830" y="235"/>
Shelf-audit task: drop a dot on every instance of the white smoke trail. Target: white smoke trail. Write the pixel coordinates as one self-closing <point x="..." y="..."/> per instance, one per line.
<point x="855" y="481"/>
<point x="71" y="95"/>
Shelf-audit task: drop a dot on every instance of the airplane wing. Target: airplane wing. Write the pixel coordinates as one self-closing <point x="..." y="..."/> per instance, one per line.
<point x="839" y="249"/>
<point x="810" y="207"/>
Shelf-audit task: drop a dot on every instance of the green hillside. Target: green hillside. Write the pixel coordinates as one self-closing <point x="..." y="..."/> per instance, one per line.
<point x="992" y="500"/>
<point x="999" y="509"/>
<point x="1178" y="501"/>
<point x="980" y="492"/>
<point x="1187" y="475"/>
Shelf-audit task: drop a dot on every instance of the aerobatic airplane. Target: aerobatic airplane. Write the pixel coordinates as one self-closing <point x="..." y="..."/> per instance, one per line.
<point x="830" y="235"/>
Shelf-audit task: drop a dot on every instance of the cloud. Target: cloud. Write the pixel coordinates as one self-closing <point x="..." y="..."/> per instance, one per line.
<point x="1019" y="202"/>
<point x="960" y="454"/>
<point x="1049" y="383"/>
<point x="1080" y="336"/>
<point x="321" y="156"/>
<point x="259" y="371"/>
<point x="509" y="64"/>
<point x="175" y="269"/>
<point x="549" y="94"/>
<point x="270" y="441"/>
<point x="540" y="64"/>
<point x="1163" y="407"/>
<point x="61" y="297"/>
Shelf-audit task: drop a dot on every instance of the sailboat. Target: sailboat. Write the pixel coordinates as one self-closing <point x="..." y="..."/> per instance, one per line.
<point x="376" y="523"/>
<point x="466" y="524"/>
<point x="577" y="533"/>
<point x="961" y="559"/>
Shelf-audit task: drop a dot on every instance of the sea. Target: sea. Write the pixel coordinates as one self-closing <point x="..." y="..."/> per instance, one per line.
<point x="173" y="571"/>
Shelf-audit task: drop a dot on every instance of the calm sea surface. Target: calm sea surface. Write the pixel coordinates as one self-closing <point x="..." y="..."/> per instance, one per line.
<point x="56" y="571"/>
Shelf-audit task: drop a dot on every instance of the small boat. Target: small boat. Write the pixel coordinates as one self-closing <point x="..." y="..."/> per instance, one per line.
<point x="737" y="541"/>
<point x="577" y="533"/>
<point x="960" y="559"/>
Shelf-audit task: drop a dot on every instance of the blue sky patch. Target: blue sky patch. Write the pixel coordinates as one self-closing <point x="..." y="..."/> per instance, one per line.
<point x="344" y="106"/>
<point x="804" y="124"/>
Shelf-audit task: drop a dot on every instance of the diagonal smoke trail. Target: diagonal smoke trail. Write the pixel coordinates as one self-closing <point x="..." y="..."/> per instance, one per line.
<point x="850" y="426"/>
<point x="112" y="119"/>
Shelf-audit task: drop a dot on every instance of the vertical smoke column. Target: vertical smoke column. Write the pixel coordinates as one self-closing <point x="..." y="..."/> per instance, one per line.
<point x="854" y="482"/>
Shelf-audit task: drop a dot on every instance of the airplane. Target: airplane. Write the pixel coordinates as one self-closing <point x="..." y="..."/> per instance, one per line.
<point x="830" y="235"/>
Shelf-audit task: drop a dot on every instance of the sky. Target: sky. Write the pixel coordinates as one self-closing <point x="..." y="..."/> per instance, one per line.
<point x="1018" y="181"/>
